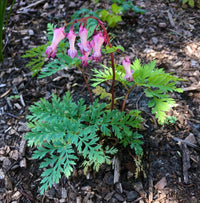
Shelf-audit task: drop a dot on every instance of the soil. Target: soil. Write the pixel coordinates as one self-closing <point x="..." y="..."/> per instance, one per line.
<point x="168" y="33"/>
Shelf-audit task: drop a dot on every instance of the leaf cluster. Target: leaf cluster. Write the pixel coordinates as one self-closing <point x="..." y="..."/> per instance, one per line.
<point x="112" y="17"/>
<point x="157" y="84"/>
<point x="64" y="130"/>
<point x="128" y="5"/>
<point x="105" y="75"/>
<point x="190" y="2"/>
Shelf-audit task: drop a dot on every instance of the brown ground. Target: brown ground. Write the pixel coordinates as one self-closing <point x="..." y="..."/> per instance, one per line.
<point x="168" y="33"/>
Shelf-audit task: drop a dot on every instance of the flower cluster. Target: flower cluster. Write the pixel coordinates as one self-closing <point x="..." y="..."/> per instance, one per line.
<point x="89" y="50"/>
<point x="85" y="46"/>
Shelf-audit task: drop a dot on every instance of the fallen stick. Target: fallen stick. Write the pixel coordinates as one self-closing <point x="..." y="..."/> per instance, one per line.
<point x="186" y="142"/>
<point x="32" y="5"/>
<point x="192" y="88"/>
<point x="186" y="161"/>
<point x="170" y="19"/>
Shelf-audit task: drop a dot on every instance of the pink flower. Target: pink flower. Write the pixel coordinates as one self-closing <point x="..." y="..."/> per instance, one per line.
<point x="96" y="44"/>
<point x="71" y="36"/>
<point x="85" y="58"/>
<point x="58" y="35"/>
<point x="84" y="45"/>
<point x="127" y="67"/>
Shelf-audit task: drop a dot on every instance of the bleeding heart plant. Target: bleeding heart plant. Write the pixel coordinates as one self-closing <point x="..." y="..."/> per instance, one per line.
<point x="60" y="126"/>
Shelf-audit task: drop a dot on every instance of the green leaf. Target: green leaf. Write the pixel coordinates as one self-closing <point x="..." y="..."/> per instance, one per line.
<point x="184" y="1"/>
<point x="113" y="20"/>
<point x="113" y="49"/>
<point x="191" y="3"/>
<point x="116" y="9"/>
<point x="104" y="14"/>
<point x="138" y="10"/>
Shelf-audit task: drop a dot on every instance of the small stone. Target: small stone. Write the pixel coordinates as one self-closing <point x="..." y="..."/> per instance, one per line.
<point x="161" y="184"/>
<point x="22" y="163"/>
<point x="24" y="32"/>
<point x="194" y="64"/>
<point x="16" y="196"/>
<point x="63" y="193"/>
<point x="191" y="138"/>
<point x="140" y="30"/>
<point x="2" y="174"/>
<point x="6" y="163"/>
<point x="109" y="196"/>
<point x="155" y="40"/>
<point x="129" y="175"/>
<point x="2" y="151"/>
<point x="119" y="197"/>
<point x="162" y="25"/>
<point x="179" y="63"/>
<point x="86" y="188"/>
<point x="131" y="195"/>
<point x="17" y="106"/>
<point x="14" y="154"/>
<point x="45" y="5"/>
<point x="72" y="4"/>
<point x="31" y="32"/>
<point x="62" y="200"/>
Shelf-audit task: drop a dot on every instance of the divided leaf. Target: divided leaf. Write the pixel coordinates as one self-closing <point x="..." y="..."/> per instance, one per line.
<point x="61" y="124"/>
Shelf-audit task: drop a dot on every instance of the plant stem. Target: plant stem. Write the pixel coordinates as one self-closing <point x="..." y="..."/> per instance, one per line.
<point x="1" y="46"/>
<point x="2" y="15"/>
<point x="111" y="54"/>
<point x="8" y="16"/>
<point x="126" y="97"/>
<point x="86" y="82"/>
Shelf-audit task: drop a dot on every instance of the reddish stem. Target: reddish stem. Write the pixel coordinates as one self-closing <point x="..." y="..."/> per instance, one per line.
<point x="126" y="97"/>
<point x="86" y="82"/>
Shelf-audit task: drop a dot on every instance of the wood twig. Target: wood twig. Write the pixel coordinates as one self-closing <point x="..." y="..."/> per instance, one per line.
<point x="32" y="5"/>
<point x="170" y="19"/>
<point x="150" y="189"/>
<point x="116" y="170"/>
<point x="192" y="88"/>
<point x="186" y="142"/>
<point x="186" y="161"/>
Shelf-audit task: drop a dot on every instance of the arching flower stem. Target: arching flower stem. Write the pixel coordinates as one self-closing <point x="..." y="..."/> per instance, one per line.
<point x="111" y="54"/>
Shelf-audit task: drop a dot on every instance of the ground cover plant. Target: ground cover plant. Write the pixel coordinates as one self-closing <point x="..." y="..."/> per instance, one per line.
<point x="64" y="130"/>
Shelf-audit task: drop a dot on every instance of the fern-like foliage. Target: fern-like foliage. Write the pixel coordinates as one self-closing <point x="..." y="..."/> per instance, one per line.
<point x="106" y="74"/>
<point x="37" y="58"/>
<point x="157" y="84"/>
<point x="58" y="126"/>
<point x="37" y="54"/>
<point x="61" y="61"/>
